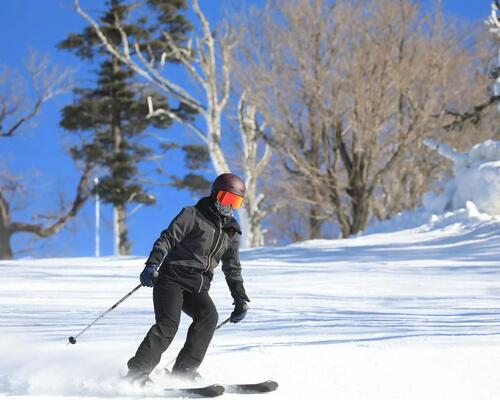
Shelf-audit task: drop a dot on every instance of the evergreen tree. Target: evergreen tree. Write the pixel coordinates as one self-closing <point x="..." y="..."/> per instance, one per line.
<point x="196" y="158"/>
<point x="112" y="115"/>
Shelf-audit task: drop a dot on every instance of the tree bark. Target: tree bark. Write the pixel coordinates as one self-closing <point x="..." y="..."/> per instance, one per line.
<point x="124" y="245"/>
<point x="5" y="234"/>
<point x="315" y="223"/>
<point x="360" y="213"/>
<point x="253" y="212"/>
<point x="5" y="247"/>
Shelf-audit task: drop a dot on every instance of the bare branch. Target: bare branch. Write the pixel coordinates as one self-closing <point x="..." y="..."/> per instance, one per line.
<point x="186" y="58"/>
<point x="165" y="84"/>
<point x="81" y="196"/>
<point x="494" y="19"/>
<point x="226" y="70"/>
<point x="208" y="38"/>
<point x="160" y="111"/>
<point x="474" y="116"/>
<point x="124" y="38"/>
<point x="47" y="82"/>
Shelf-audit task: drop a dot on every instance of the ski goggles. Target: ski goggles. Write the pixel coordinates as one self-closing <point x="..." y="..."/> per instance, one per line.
<point x="228" y="198"/>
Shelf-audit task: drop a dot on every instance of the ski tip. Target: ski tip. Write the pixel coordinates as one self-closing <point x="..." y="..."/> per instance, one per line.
<point x="261" y="387"/>
<point x="269" y="386"/>
<point x="273" y="385"/>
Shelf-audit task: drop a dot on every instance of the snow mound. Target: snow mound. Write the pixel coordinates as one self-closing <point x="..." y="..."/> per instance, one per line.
<point x="424" y="220"/>
<point x="470" y="199"/>
<point x="476" y="179"/>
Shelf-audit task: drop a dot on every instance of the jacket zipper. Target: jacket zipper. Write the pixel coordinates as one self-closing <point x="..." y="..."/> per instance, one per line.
<point x="215" y="250"/>
<point x="201" y="284"/>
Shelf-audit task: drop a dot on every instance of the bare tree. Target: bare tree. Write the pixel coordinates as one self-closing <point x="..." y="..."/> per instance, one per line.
<point x="253" y="168"/>
<point x="209" y="71"/>
<point x="47" y="82"/>
<point x="9" y="227"/>
<point x="284" y="63"/>
<point x="350" y="90"/>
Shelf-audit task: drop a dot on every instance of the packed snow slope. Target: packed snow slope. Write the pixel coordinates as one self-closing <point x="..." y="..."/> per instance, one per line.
<point x="399" y="314"/>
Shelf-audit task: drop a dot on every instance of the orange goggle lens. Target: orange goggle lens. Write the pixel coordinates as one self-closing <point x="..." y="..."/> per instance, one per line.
<point x="227" y="198"/>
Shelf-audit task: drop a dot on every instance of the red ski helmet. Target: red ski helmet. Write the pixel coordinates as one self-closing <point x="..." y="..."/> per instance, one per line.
<point x="228" y="183"/>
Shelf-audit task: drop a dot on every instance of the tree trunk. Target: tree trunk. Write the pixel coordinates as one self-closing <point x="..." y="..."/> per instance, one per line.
<point x="244" y="220"/>
<point x="360" y="213"/>
<point x="5" y="247"/>
<point x="251" y="217"/>
<point x="315" y="217"/>
<point x="344" y="223"/>
<point x="5" y="234"/>
<point x="252" y="212"/>
<point x="257" y="234"/>
<point x="124" y="245"/>
<point x="315" y="222"/>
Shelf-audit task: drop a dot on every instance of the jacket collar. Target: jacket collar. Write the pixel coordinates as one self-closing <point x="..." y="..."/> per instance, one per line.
<point x="207" y="208"/>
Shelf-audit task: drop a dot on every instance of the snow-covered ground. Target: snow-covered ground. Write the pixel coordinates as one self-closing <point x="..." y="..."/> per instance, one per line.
<point x="398" y="314"/>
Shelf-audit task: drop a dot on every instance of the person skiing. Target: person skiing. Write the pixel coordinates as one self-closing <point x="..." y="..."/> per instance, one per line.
<point x="180" y="268"/>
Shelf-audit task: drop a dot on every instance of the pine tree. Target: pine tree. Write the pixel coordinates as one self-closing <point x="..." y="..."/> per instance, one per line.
<point x="111" y="117"/>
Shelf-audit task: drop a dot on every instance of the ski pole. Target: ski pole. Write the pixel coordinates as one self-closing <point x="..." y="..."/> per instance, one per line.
<point x="217" y="327"/>
<point x="72" y="339"/>
<point x="223" y="323"/>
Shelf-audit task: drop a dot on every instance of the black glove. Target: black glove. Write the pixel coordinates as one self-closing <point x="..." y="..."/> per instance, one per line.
<point x="148" y="275"/>
<point x="240" y="311"/>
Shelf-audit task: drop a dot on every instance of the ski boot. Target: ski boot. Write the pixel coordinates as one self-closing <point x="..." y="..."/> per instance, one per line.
<point x="186" y="374"/>
<point x="138" y="378"/>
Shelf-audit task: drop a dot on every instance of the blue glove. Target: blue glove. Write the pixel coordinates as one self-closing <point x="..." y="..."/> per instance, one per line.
<point x="148" y="275"/>
<point x="240" y="311"/>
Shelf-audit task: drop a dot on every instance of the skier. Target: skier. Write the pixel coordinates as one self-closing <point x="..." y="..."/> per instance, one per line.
<point x="185" y="256"/>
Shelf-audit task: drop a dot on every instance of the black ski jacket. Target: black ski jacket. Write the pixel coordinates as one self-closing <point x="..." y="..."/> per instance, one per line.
<point x="197" y="239"/>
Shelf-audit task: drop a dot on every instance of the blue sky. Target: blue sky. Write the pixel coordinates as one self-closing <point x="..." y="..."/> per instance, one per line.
<point x="39" y="154"/>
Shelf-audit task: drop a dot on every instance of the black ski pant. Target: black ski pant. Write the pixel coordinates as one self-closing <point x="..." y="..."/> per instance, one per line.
<point x="170" y="297"/>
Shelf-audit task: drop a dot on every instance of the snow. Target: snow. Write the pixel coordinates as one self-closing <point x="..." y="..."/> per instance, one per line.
<point x="476" y="179"/>
<point x="422" y="219"/>
<point x="409" y="310"/>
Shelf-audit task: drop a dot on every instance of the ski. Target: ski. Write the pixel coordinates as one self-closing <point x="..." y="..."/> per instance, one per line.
<point x="217" y="390"/>
<point x="251" y="388"/>
<point x="196" y="392"/>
